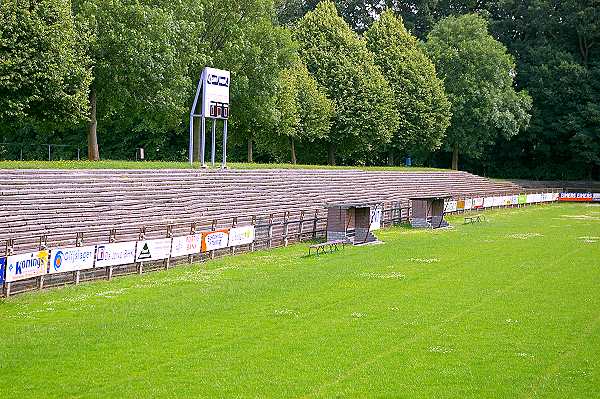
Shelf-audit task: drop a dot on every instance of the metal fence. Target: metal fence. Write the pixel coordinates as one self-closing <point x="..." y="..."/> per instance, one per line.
<point x="37" y="152"/>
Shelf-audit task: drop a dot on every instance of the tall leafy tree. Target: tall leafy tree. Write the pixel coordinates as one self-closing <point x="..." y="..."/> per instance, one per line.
<point x="44" y="74"/>
<point x="365" y="114"/>
<point x="479" y="78"/>
<point x="422" y="106"/>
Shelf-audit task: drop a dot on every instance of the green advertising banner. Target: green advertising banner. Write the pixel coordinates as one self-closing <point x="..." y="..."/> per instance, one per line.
<point x="522" y="199"/>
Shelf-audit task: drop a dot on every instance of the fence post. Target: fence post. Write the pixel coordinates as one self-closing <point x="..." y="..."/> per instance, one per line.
<point x="141" y="237"/>
<point x="301" y="226"/>
<point x="213" y="228"/>
<point x="112" y="237"/>
<point x="8" y="252"/>
<point x="193" y="232"/>
<point x="169" y="235"/>
<point x="43" y="246"/>
<point x="78" y="243"/>
<point x="233" y="225"/>
<point x="314" y="231"/>
<point x="253" y="224"/>
<point x="286" y="216"/>
<point x="270" y="236"/>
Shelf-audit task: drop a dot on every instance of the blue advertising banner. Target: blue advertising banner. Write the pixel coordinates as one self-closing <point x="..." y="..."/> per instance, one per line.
<point x="2" y="266"/>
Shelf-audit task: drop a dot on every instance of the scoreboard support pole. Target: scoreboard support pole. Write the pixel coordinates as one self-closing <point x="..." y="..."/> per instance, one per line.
<point x="224" y="163"/>
<point x="202" y="141"/>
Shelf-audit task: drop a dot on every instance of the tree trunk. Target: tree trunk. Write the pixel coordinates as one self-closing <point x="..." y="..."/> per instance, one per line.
<point x="455" y="157"/>
<point x="391" y="157"/>
<point x="93" y="153"/>
<point x="250" y="150"/>
<point x="331" y="154"/>
<point x="293" y="149"/>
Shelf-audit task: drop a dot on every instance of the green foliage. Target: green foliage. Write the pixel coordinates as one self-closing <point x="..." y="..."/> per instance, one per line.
<point x="365" y="115"/>
<point x="480" y="311"/>
<point x="478" y="74"/>
<point x="423" y="108"/>
<point x="44" y="75"/>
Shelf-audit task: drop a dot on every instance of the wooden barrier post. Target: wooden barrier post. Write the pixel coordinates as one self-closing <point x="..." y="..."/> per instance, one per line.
<point x="286" y="216"/>
<point x="270" y="236"/>
<point x="141" y="237"/>
<point x="192" y="232"/>
<point x="10" y="244"/>
<point x="233" y="226"/>
<point x="78" y="243"/>
<point x="213" y="228"/>
<point x="42" y="247"/>
<point x="253" y="224"/>
<point x="112" y="237"/>
<point x="315" y="220"/>
<point x="169" y="235"/>
<point x="300" y="226"/>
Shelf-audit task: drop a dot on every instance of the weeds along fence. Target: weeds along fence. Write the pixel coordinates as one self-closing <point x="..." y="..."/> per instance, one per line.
<point x="271" y="230"/>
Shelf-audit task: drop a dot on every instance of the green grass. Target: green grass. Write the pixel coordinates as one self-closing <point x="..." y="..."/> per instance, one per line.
<point x="182" y="165"/>
<point x="505" y="308"/>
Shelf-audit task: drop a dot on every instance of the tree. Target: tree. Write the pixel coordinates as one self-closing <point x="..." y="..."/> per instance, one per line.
<point x="479" y="78"/>
<point x="339" y="60"/>
<point x="422" y="106"/>
<point x="44" y="75"/>
<point x="140" y="81"/>
<point x="304" y="111"/>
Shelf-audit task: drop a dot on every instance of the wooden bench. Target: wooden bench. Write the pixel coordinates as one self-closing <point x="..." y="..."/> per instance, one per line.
<point x="327" y="246"/>
<point x="474" y="219"/>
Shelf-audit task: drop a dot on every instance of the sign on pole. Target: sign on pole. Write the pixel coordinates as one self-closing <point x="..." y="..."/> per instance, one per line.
<point x="375" y="219"/>
<point x="115" y="254"/>
<point x="71" y="259"/>
<point x="31" y="264"/>
<point x="153" y="250"/>
<point x="186" y="245"/>
<point x="215" y="240"/>
<point x="241" y="235"/>
<point x="2" y="264"/>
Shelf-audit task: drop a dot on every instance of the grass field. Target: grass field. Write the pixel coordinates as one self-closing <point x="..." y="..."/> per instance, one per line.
<point x="507" y="308"/>
<point x="183" y="165"/>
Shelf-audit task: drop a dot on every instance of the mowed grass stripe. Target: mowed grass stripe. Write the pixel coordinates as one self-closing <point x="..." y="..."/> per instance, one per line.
<point x="492" y="318"/>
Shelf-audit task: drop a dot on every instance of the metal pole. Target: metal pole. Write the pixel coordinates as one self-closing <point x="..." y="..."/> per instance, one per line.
<point x="191" y="146"/>
<point x="214" y="142"/>
<point x="49" y="156"/>
<point x="203" y="141"/>
<point x="21" y="153"/>
<point x="224" y="164"/>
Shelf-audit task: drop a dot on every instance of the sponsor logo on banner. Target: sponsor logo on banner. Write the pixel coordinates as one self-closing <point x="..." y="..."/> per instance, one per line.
<point x="468" y="203"/>
<point x="514" y="199"/>
<point x="547" y="197"/>
<point x="186" y="245"/>
<point x="241" y="236"/>
<point x="2" y="265"/>
<point x="460" y="205"/>
<point x="32" y="264"/>
<point x="577" y="197"/>
<point x="488" y="202"/>
<point x="450" y="206"/>
<point x="522" y="199"/>
<point x="498" y="201"/>
<point x="531" y="198"/>
<point x="115" y="254"/>
<point x="153" y="249"/>
<point x="596" y="197"/>
<point x="507" y="200"/>
<point x="212" y="240"/>
<point x="478" y="203"/>
<point x="375" y="219"/>
<point x="555" y="196"/>
<point x="71" y="259"/>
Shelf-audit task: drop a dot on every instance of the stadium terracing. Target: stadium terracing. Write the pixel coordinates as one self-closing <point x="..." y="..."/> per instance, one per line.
<point x="59" y="204"/>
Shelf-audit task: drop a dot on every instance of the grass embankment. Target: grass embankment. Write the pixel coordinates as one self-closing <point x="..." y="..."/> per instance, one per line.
<point x="184" y="165"/>
<point x="504" y="308"/>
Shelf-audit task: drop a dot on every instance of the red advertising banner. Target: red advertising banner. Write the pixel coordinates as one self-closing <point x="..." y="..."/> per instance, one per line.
<point x="576" y="197"/>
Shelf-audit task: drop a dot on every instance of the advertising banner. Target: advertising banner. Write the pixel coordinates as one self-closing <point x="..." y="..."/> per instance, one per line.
<point x="153" y="249"/>
<point x="245" y="235"/>
<point x="450" y="206"/>
<point x="532" y="198"/>
<point x="71" y="259"/>
<point x="555" y="196"/>
<point x="375" y="223"/>
<point x="498" y="201"/>
<point x="2" y="267"/>
<point x="186" y="245"/>
<point x="547" y="197"/>
<point x="460" y="205"/>
<point x="115" y="254"/>
<point x="514" y="199"/>
<point x="576" y="197"/>
<point x="596" y="197"/>
<point x="31" y="264"/>
<point x="507" y="200"/>
<point x="522" y="198"/>
<point x="478" y="203"/>
<point x="212" y="240"/>
<point x="488" y="202"/>
<point x="468" y="204"/>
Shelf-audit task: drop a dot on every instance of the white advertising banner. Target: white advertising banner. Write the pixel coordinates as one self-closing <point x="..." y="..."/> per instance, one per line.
<point x="31" y="264"/>
<point x="498" y="201"/>
<point x="215" y="93"/>
<point x="514" y="200"/>
<point x="556" y="196"/>
<point x="533" y="198"/>
<point x="212" y="240"/>
<point x="375" y="220"/>
<point x="186" y="245"/>
<point x="153" y="249"/>
<point x="547" y="197"/>
<point x="71" y="259"/>
<point x="468" y="203"/>
<point x="488" y="202"/>
<point x="450" y="206"/>
<point x="241" y="236"/>
<point x="115" y="254"/>
<point x="478" y="203"/>
<point x="507" y="200"/>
